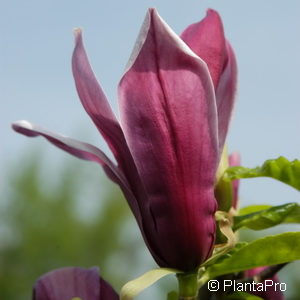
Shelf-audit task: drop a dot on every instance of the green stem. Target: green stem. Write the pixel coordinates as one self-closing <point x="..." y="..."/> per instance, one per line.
<point x="188" y="286"/>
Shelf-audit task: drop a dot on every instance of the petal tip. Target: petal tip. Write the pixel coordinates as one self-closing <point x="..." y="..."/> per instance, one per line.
<point x="153" y="11"/>
<point x="22" y="123"/>
<point x="212" y="13"/>
<point x="24" y="127"/>
<point x="77" y="34"/>
<point x="140" y="39"/>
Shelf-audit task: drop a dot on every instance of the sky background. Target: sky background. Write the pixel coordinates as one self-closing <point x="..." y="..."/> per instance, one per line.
<point x="36" y="83"/>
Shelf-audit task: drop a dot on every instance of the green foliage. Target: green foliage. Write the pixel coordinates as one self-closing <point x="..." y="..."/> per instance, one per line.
<point x="281" y="169"/>
<point x="252" y="209"/>
<point x="266" y="218"/>
<point x="218" y="259"/>
<point x="267" y="251"/>
<point x="41" y="229"/>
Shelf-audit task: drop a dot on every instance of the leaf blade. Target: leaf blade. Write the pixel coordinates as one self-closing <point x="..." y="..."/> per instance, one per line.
<point x="266" y="218"/>
<point x="280" y="168"/>
<point x="271" y="250"/>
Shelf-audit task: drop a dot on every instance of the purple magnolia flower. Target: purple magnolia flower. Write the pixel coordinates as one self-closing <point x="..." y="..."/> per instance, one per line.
<point x="175" y="103"/>
<point x="69" y="283"/>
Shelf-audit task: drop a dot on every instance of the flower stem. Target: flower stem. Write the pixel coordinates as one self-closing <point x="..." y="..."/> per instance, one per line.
<point x="188" y="286"/>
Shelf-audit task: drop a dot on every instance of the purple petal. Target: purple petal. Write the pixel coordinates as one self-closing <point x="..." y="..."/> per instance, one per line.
<point x="94" y="100"/>
<point x="97" y="106"/>
<point x="206" y="38"/>
<point x="168" y="115"/>
<point x="106" y="291"/>
<point x="225" y="94"/>
<point x="68" y="283"/>
<point x="81" y="150"/>
<point x="88" y="152"/>
<point x="235" y="160"/>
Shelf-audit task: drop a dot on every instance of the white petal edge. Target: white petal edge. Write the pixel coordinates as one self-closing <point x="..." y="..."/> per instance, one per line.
<point x="178" y="41"/>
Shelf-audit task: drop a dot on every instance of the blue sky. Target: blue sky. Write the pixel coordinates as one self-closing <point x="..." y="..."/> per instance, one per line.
<point x="36" y="81"/>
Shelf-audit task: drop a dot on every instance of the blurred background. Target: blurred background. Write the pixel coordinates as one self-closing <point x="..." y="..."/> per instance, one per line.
<point x="57" y="211"/>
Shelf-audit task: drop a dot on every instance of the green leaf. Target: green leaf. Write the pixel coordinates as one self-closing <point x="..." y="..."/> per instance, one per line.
<point x="287" y="213"/>
<point x="281" y="169"/>
<point x="267" y="251"/>
<point x="134" y="287"/>
<point x="217" y="259"/>
<point x="252" y="209"/>
<point x="241" y="296"/>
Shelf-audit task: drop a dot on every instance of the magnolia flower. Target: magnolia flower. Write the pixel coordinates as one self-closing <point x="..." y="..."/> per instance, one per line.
<point x="73" y="283"/>
<point x="175" y="103"/>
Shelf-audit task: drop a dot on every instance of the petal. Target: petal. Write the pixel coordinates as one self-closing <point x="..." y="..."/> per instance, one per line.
<point x="94" y="100"/>
<point x="206" y="38"/>
<point x="83" y="151"/>
<point x="79" y="149"/>
<point x="235" y="160"/>
<point x="107" y="292"/>
<point x="89" y="152"/>
<point x="225" y="94"/>
<point x="97" y="106"/>
<point x="168" y="115"/>
<point x="68" y="283"/>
